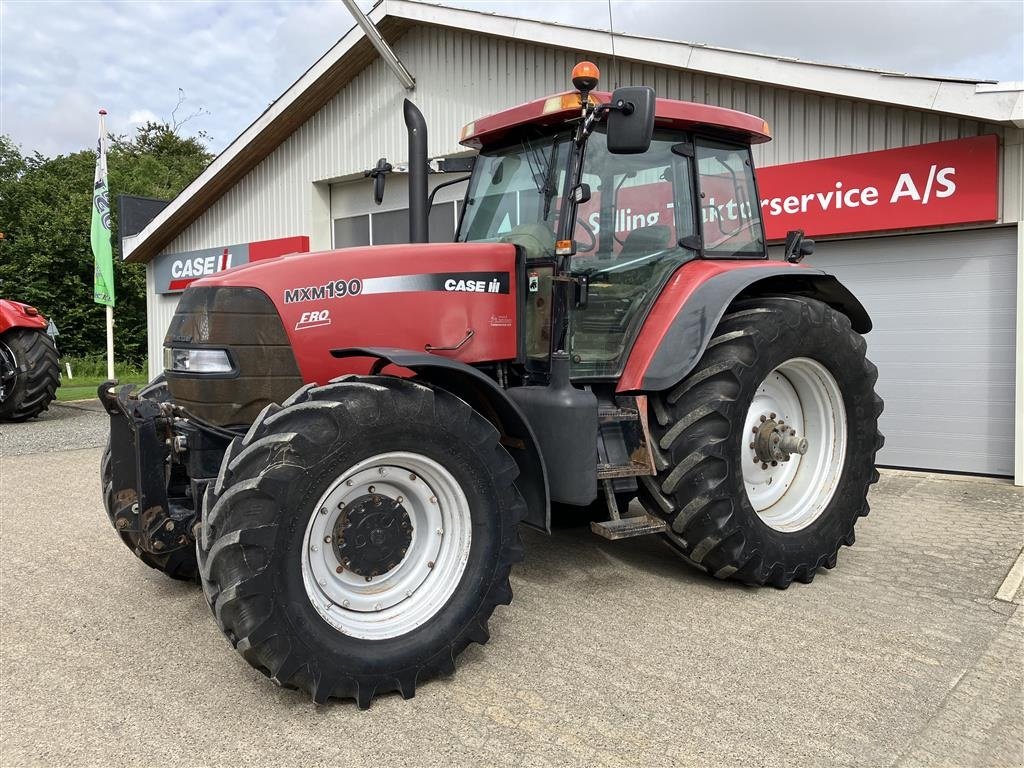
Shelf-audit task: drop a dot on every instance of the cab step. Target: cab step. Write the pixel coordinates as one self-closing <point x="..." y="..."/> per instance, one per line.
<point x="627" y="527"/>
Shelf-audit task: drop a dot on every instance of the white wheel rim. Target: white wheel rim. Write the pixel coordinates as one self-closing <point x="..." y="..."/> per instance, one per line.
<point x="413" y="591"/>
<point x="792" y="494"/>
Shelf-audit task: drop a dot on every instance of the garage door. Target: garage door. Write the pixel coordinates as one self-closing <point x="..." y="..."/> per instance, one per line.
<point x="943" y="307"/>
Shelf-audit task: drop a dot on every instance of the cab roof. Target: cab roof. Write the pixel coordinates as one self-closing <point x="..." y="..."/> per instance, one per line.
<point x="560" y="107"/>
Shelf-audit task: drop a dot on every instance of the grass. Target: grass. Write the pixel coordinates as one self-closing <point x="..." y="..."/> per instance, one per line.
<point x="90" y="372"/>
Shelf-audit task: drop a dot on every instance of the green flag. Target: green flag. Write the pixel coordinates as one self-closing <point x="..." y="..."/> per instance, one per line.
<point x="103" y="277"/>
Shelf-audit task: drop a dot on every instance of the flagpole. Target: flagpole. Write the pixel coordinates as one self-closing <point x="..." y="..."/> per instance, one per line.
<point x="110" y="342"/>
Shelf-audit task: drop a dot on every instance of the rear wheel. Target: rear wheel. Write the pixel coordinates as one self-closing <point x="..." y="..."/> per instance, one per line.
<point x="29" y="373"/>
<point x="766" y="450"/>
<point x="360" y="536"/>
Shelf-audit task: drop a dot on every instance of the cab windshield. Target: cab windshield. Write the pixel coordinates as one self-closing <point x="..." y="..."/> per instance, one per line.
<point x="514" y="195"/>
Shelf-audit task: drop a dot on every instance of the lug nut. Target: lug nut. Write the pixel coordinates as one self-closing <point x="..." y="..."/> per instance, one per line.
<point x="349" y="482"/>
<point x="341" y="505"/>
<point x="764" y="418"/>
<point x="433" y="499"/>
<point x="339" y="569"/>
<point x="369" y="578"/>
<point x="327" y="539"/>
<point x="323" y="510"/>
<point x="400" y="499"/>
<point x="382" y="471"/>
<point x="344" y="603"/>
<point x="169" y="526"/>
<point x="751" y="445"/>
<point x="412" y="477"/>
<point x="371" y="489"/>
<point x="764" y="466"/>
<point x="430" y="564"/>
<point x="775" y="463"/>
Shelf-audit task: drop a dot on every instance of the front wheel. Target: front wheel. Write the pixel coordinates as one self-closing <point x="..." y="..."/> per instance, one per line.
<point x="766" y="450"/>
<point x="360" y="536"/>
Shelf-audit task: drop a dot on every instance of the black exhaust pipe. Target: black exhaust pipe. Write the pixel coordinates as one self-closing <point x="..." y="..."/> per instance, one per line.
<point x="419" y="231"/>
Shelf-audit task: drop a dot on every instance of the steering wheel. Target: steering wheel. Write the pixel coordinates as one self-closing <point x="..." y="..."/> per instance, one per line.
<point x="592" y="245"/>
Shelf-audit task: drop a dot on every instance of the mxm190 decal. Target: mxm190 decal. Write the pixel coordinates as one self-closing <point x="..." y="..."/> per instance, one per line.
<point x="445" y="282"/>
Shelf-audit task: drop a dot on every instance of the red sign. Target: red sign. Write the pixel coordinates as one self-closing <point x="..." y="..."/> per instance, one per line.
<point x="947" y="182"/>
<point x="174" y="272"/>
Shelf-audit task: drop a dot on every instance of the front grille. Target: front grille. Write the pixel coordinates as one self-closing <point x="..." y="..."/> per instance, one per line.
<point x="244" y="321"/>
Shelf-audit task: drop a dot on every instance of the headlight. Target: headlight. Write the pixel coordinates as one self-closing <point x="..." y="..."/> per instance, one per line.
<point x="197" y="360"/>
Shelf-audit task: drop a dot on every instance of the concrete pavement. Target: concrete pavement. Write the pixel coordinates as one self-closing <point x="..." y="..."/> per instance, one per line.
<point x="610" y="654"/>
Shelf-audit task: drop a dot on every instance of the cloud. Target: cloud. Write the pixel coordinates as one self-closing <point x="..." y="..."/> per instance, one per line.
<point x="61" y="61"/>
<point x="142" y="116"/>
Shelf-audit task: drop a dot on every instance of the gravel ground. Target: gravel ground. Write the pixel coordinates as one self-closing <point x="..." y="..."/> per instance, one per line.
<point x="612" y="653"/>
<point x="63" y="427"/>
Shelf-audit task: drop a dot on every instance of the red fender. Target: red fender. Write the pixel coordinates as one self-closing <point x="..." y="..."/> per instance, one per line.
<point x="14" y="314"/>
<point x="685" y="314"/>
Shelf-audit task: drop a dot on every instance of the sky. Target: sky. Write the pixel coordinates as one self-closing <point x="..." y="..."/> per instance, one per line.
<point x="61" y="61"/>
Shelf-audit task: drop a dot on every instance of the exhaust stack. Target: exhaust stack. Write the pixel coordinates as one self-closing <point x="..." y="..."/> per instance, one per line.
<point x="419" y="231"/>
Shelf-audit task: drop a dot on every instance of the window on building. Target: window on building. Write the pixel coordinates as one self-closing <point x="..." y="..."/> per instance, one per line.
<point x="387" y="227"/>
<point x="352" y="231"/>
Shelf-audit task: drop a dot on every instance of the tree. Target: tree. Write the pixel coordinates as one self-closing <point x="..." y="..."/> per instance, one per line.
<point x="45" y="209"/>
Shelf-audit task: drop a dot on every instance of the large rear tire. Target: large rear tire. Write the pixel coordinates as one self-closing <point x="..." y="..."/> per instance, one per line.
<point x="739" y="506"/>
<point x="179" y="564"/>
<point x="359" y="537"/>
<point x="32" y="357"/>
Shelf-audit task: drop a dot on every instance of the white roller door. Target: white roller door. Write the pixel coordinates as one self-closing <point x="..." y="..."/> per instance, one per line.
<point x="943" y="307"/>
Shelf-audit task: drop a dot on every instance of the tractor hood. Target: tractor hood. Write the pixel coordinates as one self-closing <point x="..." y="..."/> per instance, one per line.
<point x="457" y="300"/>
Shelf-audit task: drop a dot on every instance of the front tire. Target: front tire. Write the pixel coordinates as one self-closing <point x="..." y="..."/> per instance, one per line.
<point x="32" y="356"/>
<point x="360" y="536"/>
<point x="738" y="505"/>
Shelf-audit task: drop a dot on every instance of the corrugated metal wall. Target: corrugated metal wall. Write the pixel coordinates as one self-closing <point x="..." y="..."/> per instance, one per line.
<point x="461" y="76"/>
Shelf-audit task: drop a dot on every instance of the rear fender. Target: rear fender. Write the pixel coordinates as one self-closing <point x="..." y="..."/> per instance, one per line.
<point x="685" y="315"/>
<point x="484" y="395"/>
<point x="14" y="314"/>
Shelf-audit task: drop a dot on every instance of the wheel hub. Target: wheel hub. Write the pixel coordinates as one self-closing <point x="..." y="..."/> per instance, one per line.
<point x="372" y="535"/>
<point x="775" y="441"/>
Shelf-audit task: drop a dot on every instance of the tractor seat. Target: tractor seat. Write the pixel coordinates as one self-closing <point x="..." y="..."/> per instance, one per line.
<point x="645" y="240"/>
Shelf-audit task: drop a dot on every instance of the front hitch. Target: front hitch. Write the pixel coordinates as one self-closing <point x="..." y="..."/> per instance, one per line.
<point x="141" y="438"/>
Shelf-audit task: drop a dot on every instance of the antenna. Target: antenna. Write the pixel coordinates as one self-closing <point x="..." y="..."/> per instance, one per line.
<point x="611" y="35"/>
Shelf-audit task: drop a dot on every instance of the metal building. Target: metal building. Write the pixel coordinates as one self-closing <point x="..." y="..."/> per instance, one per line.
<point x="935" y="248"/>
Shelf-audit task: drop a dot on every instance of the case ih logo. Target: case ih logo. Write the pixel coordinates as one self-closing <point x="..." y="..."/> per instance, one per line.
<point x="174" y="272"/>
<point x="184" y="271"/>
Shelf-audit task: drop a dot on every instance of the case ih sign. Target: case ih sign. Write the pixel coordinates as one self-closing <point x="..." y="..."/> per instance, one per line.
<point x="174" y="272"/>
<point x="947" y="182"/>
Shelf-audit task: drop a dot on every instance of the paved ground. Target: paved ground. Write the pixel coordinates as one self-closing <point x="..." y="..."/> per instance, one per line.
<point x="611" y="654"/>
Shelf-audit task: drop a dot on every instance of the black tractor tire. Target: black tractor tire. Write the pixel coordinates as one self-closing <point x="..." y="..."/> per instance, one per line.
<point x="180" y="564"/>
<point x="254" y="531"/>
<point x="33" y="353"/>
<point x="699" y="435"/>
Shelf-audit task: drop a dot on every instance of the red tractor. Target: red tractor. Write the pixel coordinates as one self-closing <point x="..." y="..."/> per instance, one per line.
<point x="344" y="444"/>
<point x="29" y="368"/>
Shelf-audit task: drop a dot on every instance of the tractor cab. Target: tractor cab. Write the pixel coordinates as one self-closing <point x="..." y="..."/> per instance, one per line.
<point x="614" y="192"/>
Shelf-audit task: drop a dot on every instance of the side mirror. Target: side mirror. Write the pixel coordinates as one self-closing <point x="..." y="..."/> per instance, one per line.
<point x="631" y="120"/>
<point x="797" y="246"/>
<point x="378" y="174"/>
